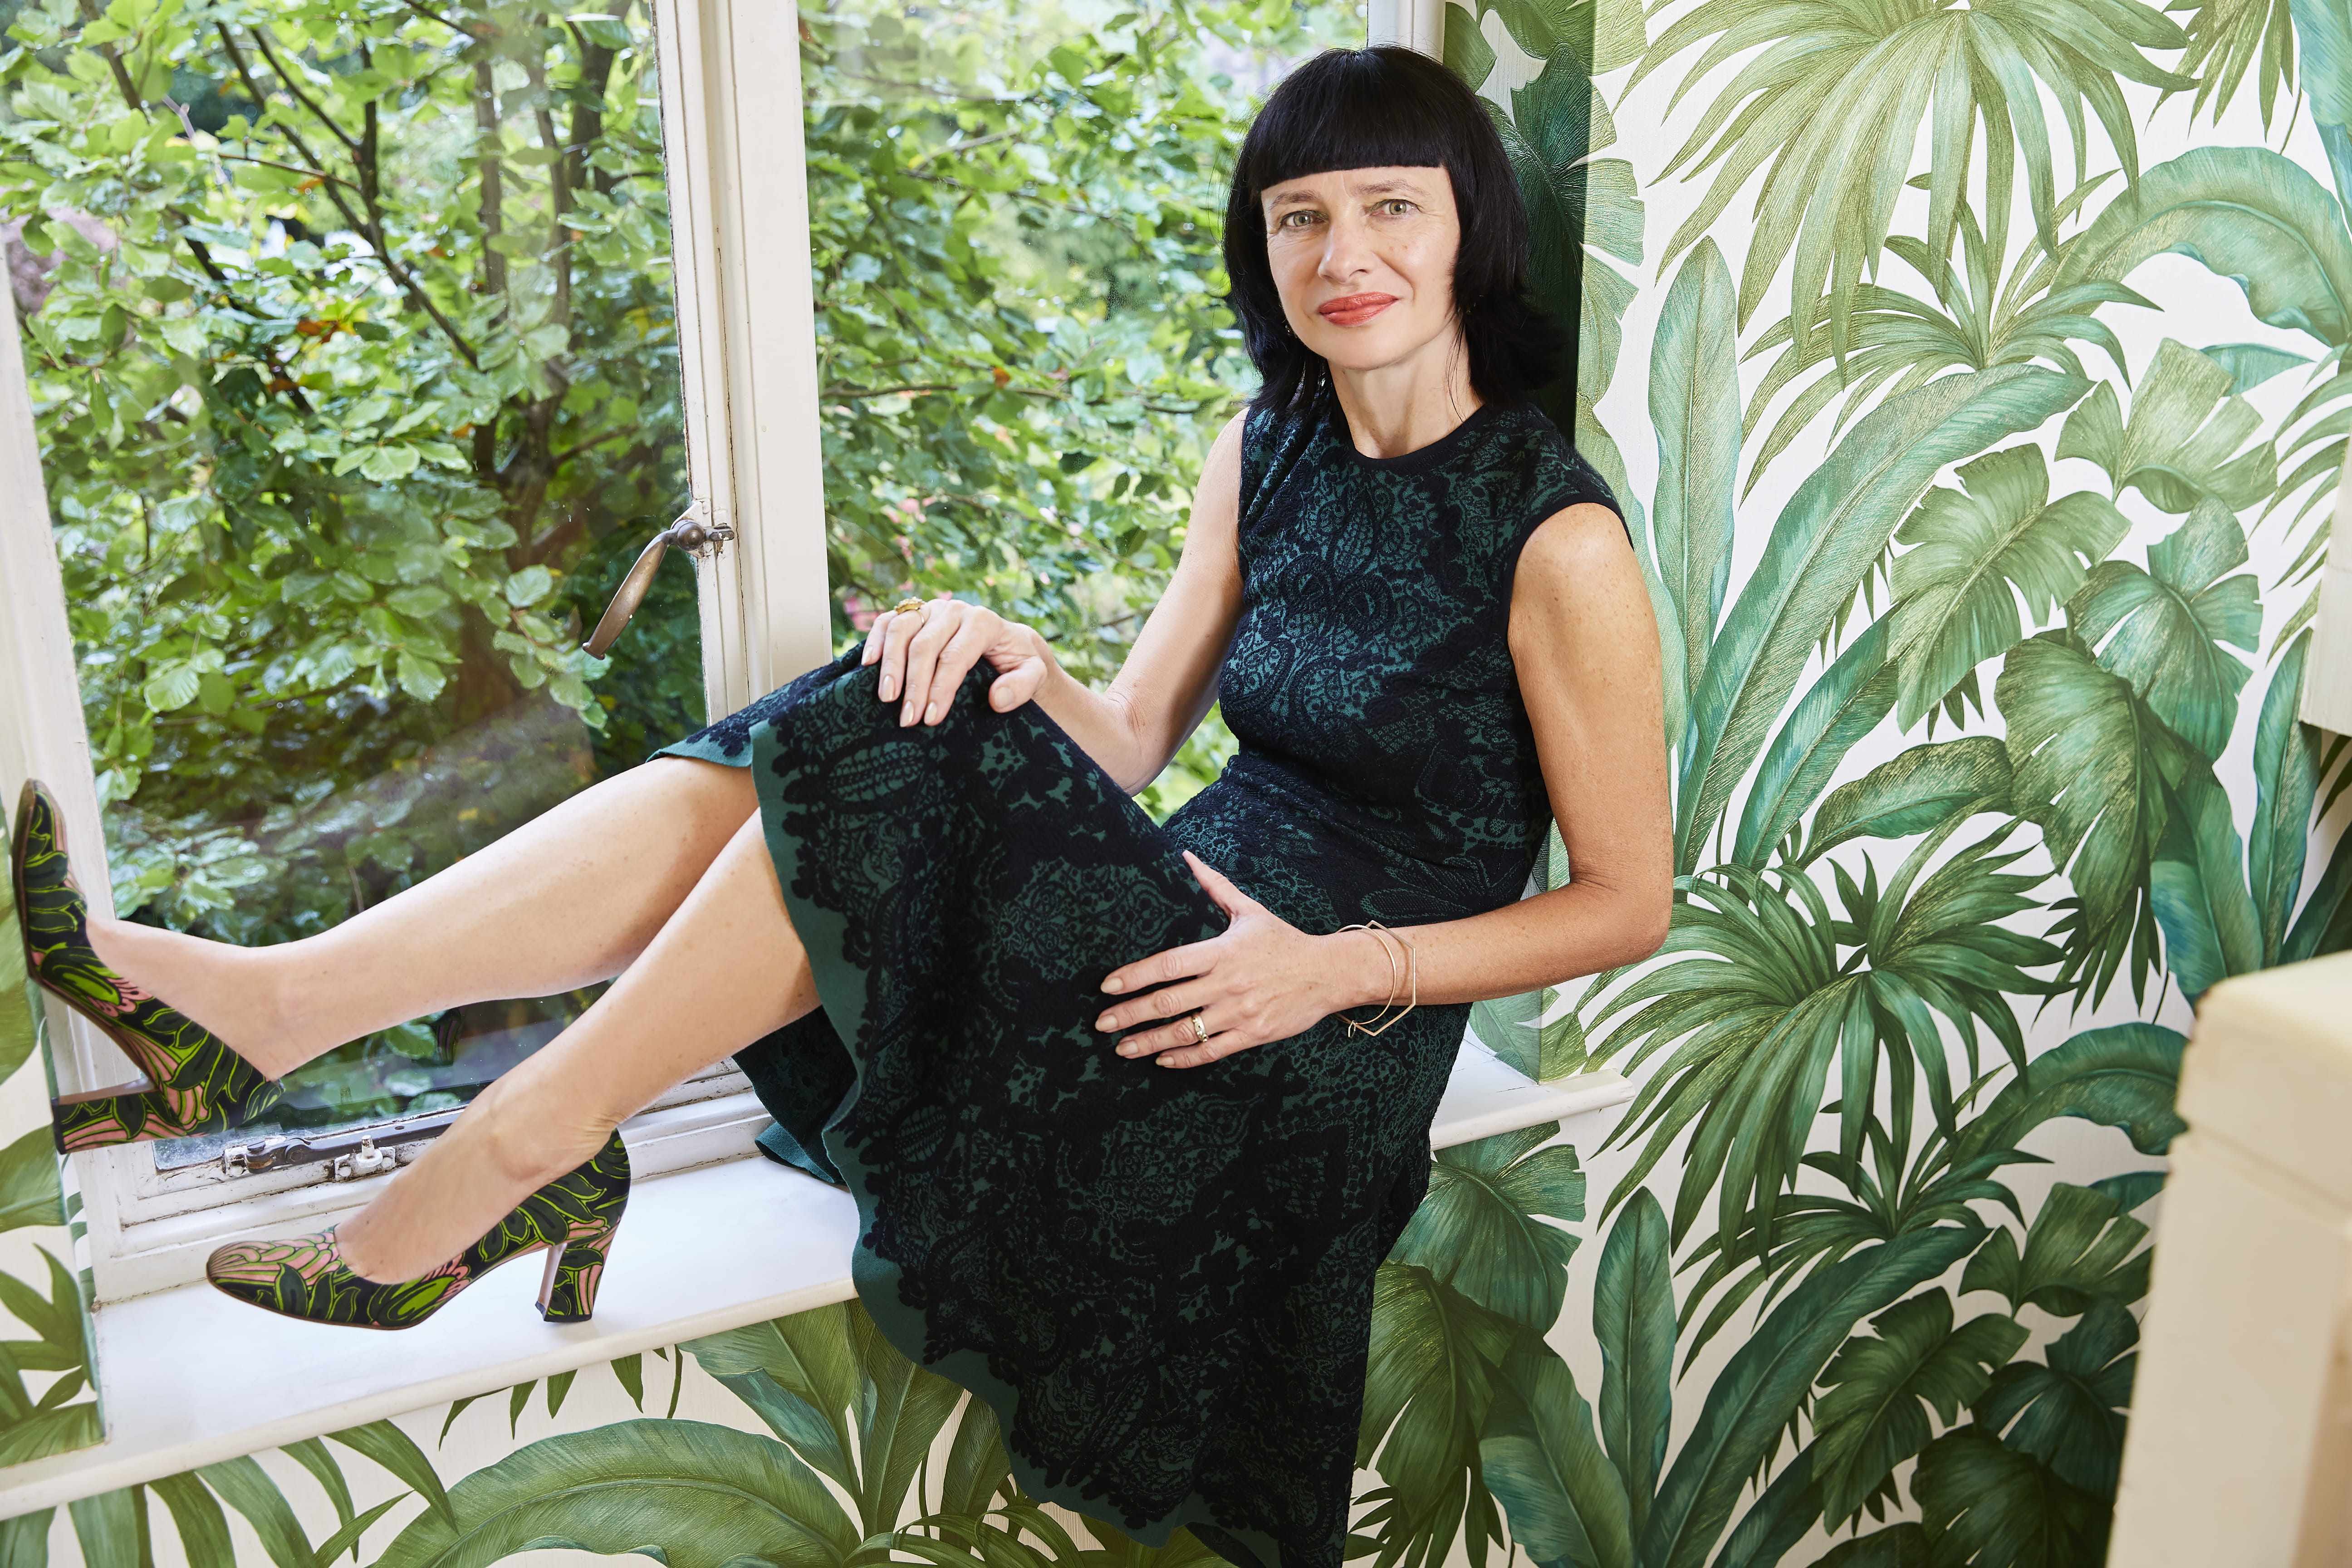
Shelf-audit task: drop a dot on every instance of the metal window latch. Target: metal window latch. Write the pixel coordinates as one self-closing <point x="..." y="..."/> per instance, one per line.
<point x="688" y="533"/>
<point x="350" y="1154"/>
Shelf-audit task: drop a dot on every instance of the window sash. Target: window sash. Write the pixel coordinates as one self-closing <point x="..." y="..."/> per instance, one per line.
<point x="731" y="131"/>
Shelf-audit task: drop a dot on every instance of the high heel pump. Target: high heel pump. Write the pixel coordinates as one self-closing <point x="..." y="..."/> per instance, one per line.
<point x="197" y="1082"/>
<point x="571" y="1219"/>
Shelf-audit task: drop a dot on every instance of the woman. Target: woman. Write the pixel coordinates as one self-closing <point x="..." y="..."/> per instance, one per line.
<point x="1430" y="635"/>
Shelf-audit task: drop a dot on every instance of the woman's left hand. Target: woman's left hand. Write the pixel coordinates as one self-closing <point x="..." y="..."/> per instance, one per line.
<point x="1263" y="980"/>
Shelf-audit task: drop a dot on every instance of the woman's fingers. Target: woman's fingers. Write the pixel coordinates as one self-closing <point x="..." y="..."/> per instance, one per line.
<point x="1216" y="1047"/>
<point x="885" y="644"/>
<point x="940" y="620"/>
<point x="1018" y="685"/>
<point x="1221" y="892"/>
<point x="1160" y="969"/>
<point x="978" y="630"/>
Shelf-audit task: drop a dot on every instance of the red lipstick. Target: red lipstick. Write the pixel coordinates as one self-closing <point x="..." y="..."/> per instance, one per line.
<point x="1354" y="310"/>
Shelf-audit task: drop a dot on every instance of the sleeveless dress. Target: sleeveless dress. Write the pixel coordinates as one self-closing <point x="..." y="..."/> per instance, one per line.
<point x="1161" y="1279"/>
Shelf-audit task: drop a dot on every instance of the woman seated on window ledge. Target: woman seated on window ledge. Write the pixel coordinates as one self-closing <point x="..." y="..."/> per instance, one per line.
<point x="1130" y="1113"/>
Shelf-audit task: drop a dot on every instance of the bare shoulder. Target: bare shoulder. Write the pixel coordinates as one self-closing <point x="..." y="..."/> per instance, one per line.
<point x="1577" y="564"/>
<point x="1576" y="542"/>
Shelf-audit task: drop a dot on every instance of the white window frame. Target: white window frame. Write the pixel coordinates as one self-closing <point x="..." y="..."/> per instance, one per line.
<point x="732" y="130"/>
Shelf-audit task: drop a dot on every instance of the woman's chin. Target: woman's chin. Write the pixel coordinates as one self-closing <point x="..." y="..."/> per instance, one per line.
<point x="1354" y="356"/>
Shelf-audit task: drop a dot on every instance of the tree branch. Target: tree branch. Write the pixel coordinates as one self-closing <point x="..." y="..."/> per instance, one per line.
<point x="493" y="184"/>
<point x="319" y="174"/>
<point x="431" y="15"/>
<point x="371" y="228"/>
<point x="298" y="96"/>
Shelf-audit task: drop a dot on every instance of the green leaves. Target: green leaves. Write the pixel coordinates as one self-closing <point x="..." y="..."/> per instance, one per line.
<point x="1989" y="1504"/>
<point x="1921" y="790"/>
<point x="2181" y="442"/>
<point x="2197" y="884"/>
<point x="1694" y="408"/>
<point x="1833" y="105"/>
<point x="1634" y="1322"/>
<point x="1429" y="1381"/>
<point x="2286" y="781"/>
<point x="2091" y="765"/>
<point x="2249" y="216"/>
<point x="2068" y="1412"/>
<point x="1977" y="550"/>
<point x="2124" y="1075"/>
<point x="1477" y="1230"/>
<point x="1831" y="534"/>
<point x="1768" y="1379"/>
<point x="1842" y="705"/>
<point x="1564" y="1497"/>
<point x="2162" y="628"/>
<point x="2079" y="1250"/>
<point x="1874" y="1416"/>
<point x="702" y="1496"/>
<point x="846" y="1402"/>
<point x="1760" y="1007"/>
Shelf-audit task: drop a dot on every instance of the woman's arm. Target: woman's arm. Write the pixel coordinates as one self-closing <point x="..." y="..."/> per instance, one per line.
<point x="1586" y="649"/>
<point x="1166" y="684"/>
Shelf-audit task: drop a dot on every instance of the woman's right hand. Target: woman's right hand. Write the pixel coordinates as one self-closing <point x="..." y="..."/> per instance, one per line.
<point x="926" y="654"/>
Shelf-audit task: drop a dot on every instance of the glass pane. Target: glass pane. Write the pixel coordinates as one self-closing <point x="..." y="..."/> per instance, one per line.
<point x="1016" y="212"/>
<point x="351" y="340"/>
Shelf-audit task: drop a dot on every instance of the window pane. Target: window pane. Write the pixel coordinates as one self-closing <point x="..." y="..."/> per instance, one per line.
<point x="352" y="341"/>
<point x="1016" y="211"/>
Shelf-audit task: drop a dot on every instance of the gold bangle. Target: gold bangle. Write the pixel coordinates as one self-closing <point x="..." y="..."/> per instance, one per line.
<point x="1413" y="970"/>
<point x="1387" y="1015"/>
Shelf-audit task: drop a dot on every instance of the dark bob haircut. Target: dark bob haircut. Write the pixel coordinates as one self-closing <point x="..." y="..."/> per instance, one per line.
<point x="1383" y="108"/>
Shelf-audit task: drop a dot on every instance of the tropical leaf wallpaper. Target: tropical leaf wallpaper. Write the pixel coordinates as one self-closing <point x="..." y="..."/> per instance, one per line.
<point x="1977" y="381"/>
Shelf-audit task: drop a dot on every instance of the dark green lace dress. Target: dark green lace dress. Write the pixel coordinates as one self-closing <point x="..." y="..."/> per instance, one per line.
<point x="1161" y="1279"/>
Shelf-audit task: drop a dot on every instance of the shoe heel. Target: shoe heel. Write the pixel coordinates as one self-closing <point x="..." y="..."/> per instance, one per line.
<point x="567" y="1291"/>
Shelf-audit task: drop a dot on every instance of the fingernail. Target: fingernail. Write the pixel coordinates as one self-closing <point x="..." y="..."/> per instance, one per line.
<point x="931" y="714"/>
<point x="1114" y="984"/>
<point x="906" y="713"/>
<point x="1106" y="1022"/>
<point x="889" y="689"/>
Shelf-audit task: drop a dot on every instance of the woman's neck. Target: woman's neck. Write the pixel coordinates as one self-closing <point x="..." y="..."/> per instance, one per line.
<point x="1402" y="406"/>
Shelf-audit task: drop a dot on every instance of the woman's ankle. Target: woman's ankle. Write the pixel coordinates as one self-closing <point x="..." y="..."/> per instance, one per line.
<point x="221" y="986"/>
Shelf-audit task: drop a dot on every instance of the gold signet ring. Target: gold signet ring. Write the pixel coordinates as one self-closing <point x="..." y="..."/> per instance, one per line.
<point x="908" y="607"/>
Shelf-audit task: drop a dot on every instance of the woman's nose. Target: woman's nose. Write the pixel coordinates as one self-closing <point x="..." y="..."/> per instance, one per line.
<point x="1345" y="252"/>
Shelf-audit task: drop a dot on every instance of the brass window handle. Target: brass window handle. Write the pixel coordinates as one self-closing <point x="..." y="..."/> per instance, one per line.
<point x="690" y="533"/>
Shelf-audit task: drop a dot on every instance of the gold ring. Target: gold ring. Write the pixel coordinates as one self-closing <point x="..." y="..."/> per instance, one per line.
<point x="1200" y="1030"/>
<point x="908" y="607"/>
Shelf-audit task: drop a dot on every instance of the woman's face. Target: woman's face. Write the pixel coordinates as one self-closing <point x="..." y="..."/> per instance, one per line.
<point x="1364" y="261"/>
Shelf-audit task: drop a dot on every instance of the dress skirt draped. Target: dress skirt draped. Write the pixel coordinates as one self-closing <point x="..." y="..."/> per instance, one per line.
<point x="1161" y="1278"/>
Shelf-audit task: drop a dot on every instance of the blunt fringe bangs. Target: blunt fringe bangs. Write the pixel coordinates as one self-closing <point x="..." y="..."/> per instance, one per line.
<point x="1380" y="107"/>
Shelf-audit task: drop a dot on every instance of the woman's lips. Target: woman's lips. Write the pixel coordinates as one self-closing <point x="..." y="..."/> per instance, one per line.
<point x="1354" y="310"/>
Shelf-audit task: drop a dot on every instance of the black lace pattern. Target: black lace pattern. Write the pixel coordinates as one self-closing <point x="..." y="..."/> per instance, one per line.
<point x="1161" y="1279"/>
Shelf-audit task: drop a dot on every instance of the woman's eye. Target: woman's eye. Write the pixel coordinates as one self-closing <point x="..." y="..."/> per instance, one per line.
<point x="1297" y="219"/>
<point x="1396" y="206"/>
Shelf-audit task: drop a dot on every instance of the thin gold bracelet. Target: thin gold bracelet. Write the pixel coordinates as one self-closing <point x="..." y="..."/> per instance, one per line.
<point x="1381" y="1023"/>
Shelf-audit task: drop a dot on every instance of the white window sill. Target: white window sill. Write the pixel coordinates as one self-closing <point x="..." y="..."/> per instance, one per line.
<point x="744" y="1240"/>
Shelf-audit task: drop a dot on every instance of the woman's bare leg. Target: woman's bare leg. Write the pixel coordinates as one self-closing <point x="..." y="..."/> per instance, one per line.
<point x="561" y="902"/>
<point x="726" y="969"/>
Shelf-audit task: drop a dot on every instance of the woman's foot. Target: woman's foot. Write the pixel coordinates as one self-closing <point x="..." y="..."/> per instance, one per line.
<point x="196" y="1081"/>
<point x="509" y="1145"/>
<point x="569" y="1221"/>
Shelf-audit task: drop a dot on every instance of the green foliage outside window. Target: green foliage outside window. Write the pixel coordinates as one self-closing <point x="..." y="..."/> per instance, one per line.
<point x="351" y="336"/>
